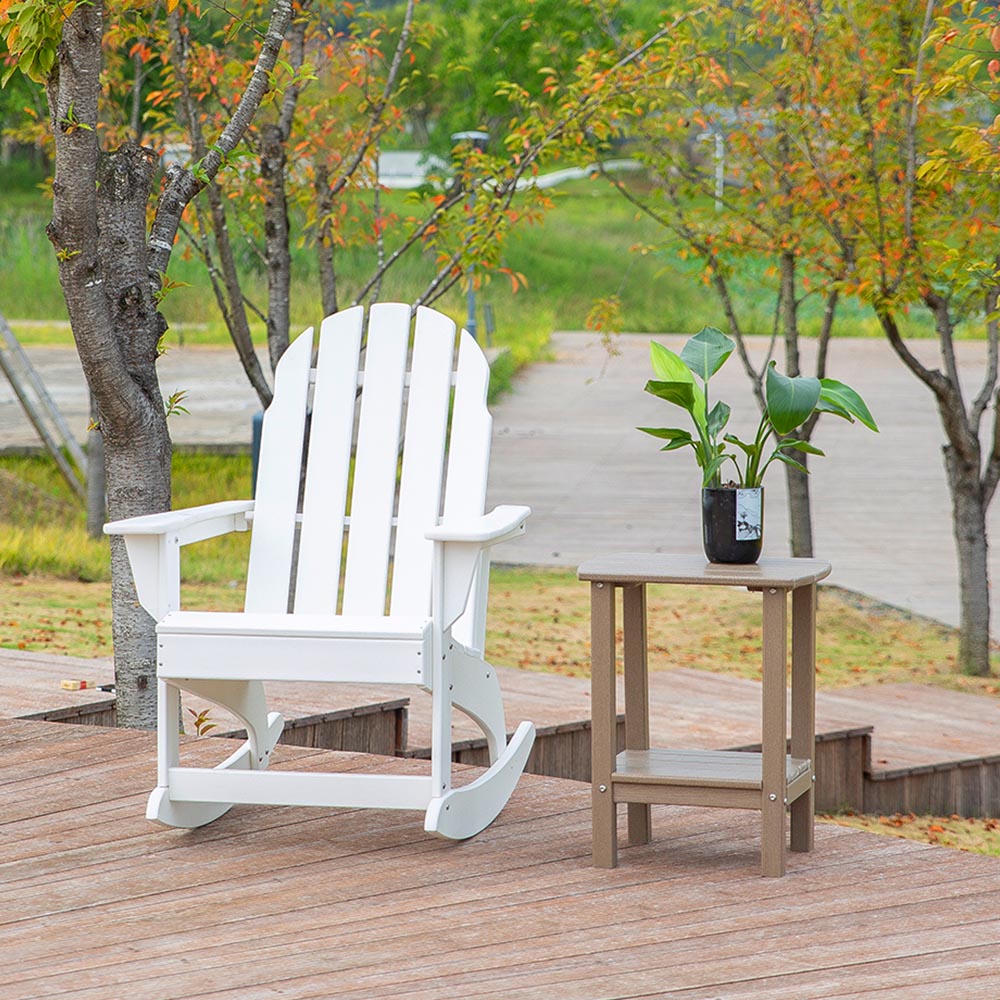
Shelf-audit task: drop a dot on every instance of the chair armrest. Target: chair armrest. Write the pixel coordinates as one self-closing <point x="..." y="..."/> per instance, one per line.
<point x="499" y="524"/>
<point x="154" y="545"/>
<point x="460" y="543"/>
<point x="191" y="524"/>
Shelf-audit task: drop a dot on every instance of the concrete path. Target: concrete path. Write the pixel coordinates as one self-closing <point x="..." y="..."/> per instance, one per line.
<point x="565" y="443"/>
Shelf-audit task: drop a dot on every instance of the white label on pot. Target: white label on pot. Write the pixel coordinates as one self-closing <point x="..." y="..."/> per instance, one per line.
<point x="748" y="515"/>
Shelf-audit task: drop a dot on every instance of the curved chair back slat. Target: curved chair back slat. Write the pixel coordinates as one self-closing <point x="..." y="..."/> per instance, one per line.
<point x="422" y="476"/>
<point x="422" y="434"/>
<point x="278" y="471"/>
<point x="328" y="464"/>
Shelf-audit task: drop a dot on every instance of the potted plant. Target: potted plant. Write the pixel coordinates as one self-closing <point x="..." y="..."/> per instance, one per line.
<point x="732" y="478"/>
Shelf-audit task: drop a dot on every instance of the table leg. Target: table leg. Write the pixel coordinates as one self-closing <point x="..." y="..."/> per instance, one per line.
<point x="773" y="743"/>
<point x="603" y="725"/>
<point x="804" y="708"/>
<point x="636" y="697"/>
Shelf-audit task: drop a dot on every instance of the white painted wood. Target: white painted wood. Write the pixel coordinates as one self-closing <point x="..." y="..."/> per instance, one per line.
<point x="328" y="466"/>
<point x="278" y="474"/>
<point x="168" y="727"/>
<point x="156" y="569"/>
<point x="463" y="555"/>
<point x="423" y="461"/>
<point x="440" y="569"/>
<point x="471" y="432"/>
<point x="246" y="700"/>
<point x="230" y="515"/>
<point x="374" y="491"/>
<point x="153" y="544"/>
<point x="233" y="623"/>
<point x="295" y="658"/>
<point x="162" y="809"/>
<point x="468" y="463"/>
<point x="290" y="788"/>
<point x="168" y="810"/>
<point x="505" y="521"/>
<point x="477" y="693"/>
<point x="441" y="684"/>
<point x="470" y="627"/>
<point x="464" y="812"/>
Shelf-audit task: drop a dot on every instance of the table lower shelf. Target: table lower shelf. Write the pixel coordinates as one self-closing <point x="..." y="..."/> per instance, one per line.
<point x="701" y="777"/>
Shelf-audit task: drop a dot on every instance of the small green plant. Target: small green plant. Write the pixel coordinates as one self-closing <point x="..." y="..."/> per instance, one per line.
<point x="202" y="721"/>
<point x="790" y="401"/>
<point x="173" y="403"/>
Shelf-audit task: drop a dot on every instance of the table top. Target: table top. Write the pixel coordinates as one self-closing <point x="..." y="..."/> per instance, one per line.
<point x="647" y="567"/>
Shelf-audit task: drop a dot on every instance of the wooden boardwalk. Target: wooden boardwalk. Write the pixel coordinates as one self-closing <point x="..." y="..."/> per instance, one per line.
<point x="97" y="903"/>
<point x="914" y="724"/>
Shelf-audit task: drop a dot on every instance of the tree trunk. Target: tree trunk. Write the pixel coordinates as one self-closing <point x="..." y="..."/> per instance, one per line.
<point x="277" y="253"/>
<point x="136" y="440"/>
<point x="97" y="504"/>
<point x="324" y="242"/>
<point x="110" y="266"/>
<point x="799" y="510"/>
<point x="969" y="523"/>
<point x="138" y="470"/>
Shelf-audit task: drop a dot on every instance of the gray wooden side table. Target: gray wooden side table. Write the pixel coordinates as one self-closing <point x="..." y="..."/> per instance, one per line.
<point x="642" y="775"/>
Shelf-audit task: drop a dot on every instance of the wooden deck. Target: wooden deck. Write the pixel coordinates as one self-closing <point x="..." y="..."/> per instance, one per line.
<point x="274" y="902"/>
<point x="914" y="724"/>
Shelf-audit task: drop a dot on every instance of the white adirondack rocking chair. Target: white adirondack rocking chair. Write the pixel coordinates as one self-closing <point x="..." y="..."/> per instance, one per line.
<point x="409" y="605"/>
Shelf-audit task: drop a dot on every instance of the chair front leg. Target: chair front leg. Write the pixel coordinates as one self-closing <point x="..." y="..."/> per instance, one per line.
<point x="168" y="728"/>
<point x="441" y="683"/>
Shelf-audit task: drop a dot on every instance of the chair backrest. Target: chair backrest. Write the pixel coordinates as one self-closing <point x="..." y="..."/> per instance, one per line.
<point x="417" y="413"/>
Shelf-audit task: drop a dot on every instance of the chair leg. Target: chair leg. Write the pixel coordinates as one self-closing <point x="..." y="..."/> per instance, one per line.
<point x="477" y="694"/>
<point x="464" y="812"/>
<point x="245" y="699"/>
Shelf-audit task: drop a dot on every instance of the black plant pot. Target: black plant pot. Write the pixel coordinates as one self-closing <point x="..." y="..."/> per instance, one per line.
<point x="732" y="523"/>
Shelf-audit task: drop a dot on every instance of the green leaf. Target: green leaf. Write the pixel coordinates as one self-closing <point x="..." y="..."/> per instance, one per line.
<point x="789" y="400"/>
<point x="788" y="460"/>
<point x="712" y="468"/>
<point x="706" y="352"/>
<point x="718" y="418"/>
<point x="680" y="443"/>
<point x="669" y="433"/>
<point x="835" y="397"/>
<point x="749" y="449"/>
<point x="678" y="393"/>
<point x="667" y="366"/>
<point x="797" y="445"/>
<point x="670" y="369"/>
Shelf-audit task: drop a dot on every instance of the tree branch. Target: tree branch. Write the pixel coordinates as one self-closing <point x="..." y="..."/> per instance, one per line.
<point x="184" y="183"/>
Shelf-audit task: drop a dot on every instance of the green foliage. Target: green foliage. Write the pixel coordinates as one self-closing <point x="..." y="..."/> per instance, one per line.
<point x="789" y="403"/>
<point x="43" y="527"/>
<point x="31" y="30"/>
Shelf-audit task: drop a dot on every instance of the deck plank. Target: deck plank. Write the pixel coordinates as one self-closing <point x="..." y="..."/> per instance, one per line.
<point x="97" y="903"/>
<point x="914" y="724"/>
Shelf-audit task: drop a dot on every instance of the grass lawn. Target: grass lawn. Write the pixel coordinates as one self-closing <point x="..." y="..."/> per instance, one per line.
<point x="591" y="244"/>
<point x="979" y="836"/>
<point x="539" y="618"/>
